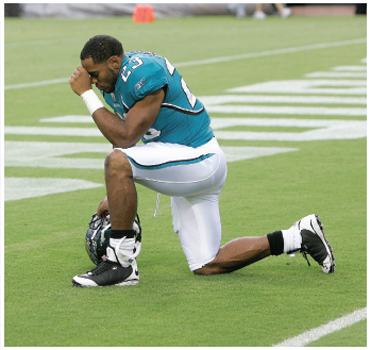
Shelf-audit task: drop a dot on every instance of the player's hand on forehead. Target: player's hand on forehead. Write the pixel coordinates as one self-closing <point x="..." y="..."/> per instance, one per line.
<point x="80" y="80"/>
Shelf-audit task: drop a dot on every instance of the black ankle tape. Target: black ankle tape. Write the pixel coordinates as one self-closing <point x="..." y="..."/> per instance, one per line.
<point x="276" y="242"/>
<point x="122" y="233"/>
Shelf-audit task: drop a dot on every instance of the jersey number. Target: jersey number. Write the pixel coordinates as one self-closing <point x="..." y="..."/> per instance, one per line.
<point x="127" y="72"/>
<point x="191" y="98"/>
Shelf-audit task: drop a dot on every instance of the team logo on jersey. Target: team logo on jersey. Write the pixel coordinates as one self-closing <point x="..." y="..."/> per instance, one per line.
<point x="140" y="84"/>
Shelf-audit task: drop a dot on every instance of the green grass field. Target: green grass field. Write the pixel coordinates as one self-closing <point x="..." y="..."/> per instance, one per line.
<point x="261" y="305"/>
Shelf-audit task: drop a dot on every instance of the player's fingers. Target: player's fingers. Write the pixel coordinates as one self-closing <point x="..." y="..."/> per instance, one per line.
<point x="74" y="75"/>
<point x="82" y="70"/>
<point x="78" y="71"/>
<point x="103" y="208"/>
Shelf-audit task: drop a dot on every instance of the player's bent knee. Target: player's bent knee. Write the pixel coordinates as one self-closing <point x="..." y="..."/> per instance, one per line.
<point x="211" y="268"/>
<point x="217" y="266"/>
<point x="117" y="160"/>
<point x="203" y="271"/>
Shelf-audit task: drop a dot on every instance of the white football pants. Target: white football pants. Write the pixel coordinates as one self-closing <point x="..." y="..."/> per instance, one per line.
<point x="193" y="177"/>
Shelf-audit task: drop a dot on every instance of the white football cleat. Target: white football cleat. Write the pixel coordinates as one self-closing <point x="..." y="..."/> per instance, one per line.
<point x="315" y="243"/>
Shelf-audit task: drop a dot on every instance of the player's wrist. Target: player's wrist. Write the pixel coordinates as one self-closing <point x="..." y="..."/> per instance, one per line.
<point x="92" y="101"/>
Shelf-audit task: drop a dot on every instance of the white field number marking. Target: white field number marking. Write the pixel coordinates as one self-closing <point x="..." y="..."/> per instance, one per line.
<point x="37" y="187"/>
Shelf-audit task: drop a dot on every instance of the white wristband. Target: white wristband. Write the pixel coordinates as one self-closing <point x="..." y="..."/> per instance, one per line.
<point x="92" y="101"/>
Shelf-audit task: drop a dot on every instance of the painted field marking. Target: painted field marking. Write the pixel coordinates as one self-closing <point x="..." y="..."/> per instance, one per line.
<point x="291" y="99"/>
<point x="55" y="154"/>
<point x="317" y="86"/>
<point x="331" y="327"/>
<point x="288" y="110"/>
<point x="336" y="75"/>
<point x="35" y="84"/>
<point x="64" y="131"/>
<point x="323" y="129"/>
<point x="216" y="60"/>
<point x="29" y="187"/>
<point x="350" y="68"/>
<point x="82" y="119"/>
<point x="271" y="52"/>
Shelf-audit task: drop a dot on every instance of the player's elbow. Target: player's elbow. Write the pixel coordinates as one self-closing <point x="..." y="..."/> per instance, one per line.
<point x="124" y="141"/>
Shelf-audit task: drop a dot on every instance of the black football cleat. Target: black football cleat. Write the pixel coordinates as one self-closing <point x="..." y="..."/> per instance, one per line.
<point x="108" y="273"/>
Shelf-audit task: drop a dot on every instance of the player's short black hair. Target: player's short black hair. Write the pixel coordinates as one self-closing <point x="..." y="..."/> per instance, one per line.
<point x="100" y="48"/>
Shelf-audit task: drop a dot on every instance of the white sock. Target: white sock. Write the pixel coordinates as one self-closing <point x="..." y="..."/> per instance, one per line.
<point x="292" y="240"/>
<point x="126" y="248"/>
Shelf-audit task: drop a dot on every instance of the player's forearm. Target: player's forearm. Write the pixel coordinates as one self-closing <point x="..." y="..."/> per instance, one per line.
<point x="115" y="129"/>
<point x="124" y="133"/>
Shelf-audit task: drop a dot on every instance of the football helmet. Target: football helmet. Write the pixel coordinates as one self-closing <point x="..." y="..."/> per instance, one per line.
<point x="98" y="235"/>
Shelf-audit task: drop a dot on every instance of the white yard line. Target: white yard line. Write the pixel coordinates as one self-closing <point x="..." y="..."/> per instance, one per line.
<point x="215" y="60"/>
<point x="331" y="327"/>
<point x="271" y="52"/>
<point x="36" y="83"/>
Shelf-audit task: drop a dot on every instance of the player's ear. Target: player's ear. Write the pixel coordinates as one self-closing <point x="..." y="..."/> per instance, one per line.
<point x="114" y="62"/>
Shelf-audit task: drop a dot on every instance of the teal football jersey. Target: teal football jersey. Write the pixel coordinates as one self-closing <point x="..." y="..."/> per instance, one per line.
<point x="182" y="118"/>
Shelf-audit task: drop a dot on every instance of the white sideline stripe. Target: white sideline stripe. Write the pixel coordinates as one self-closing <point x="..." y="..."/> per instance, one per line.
<point x="271" y="52"/>
<point x="331" y="327"/>
<point x="35" y="84"/>
<point x="216" y="60"/>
